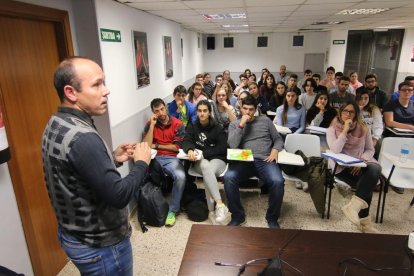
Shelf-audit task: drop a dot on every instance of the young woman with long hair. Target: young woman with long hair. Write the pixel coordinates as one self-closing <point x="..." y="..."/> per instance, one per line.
<point x="291" y="114"/>
<point x="207" y="135"/>
<point x="223" y="112"/>
<point x="348" y="134"/>
<point x="371" y="115"/>
<point x="277" y="99"/>
<point x="321" y="112"/>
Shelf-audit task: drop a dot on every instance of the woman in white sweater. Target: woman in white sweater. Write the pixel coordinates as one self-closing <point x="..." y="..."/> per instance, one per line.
<point x="371" y="115"/>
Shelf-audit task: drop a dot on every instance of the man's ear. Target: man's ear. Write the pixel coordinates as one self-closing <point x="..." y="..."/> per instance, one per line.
<point x="70" y="93"/>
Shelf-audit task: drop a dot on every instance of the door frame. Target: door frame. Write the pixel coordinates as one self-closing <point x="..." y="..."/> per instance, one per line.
<point x="60" y="20"/>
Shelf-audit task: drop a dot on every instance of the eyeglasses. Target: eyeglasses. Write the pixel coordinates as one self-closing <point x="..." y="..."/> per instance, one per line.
<point x="350" y="112"/>
<point x="407" y="90"/>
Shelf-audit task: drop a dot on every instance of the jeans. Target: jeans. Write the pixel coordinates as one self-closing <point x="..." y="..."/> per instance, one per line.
<point x="364" y="182"/>
<point x="268" y="172"/>
<point x="111" y="260"/>
<point x="173" y="167"/>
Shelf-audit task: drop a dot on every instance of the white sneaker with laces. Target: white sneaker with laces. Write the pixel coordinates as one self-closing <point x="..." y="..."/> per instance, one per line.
<point x="298" y="184"/>
<point x="222" y="213"/>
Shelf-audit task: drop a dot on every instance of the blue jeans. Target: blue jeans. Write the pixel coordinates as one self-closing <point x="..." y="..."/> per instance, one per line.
<point x="110" y="260"/>
<point x="173" y="167"/>
<point x="268" y="172"/>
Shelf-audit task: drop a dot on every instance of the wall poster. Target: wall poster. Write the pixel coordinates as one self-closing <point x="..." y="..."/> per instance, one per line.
<point x="141" y="58"/>
<point x="168" y="61"/>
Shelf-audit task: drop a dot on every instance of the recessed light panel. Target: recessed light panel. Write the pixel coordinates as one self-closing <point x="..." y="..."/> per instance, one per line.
<point x="362" y="11"/>
<point x="225" y="16"/>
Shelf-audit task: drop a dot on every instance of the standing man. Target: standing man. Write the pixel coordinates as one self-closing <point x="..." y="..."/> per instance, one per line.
<point x="88" y="194"/>
<point x="260" y="135"/>
<point x="165" y="134"/>
<point x="341" y="96"/>
<point x="376" y="95"/>
<point x="282" y="76"/>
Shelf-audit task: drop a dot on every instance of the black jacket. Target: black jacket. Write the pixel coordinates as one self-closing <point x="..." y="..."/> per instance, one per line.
<point x="211" y="139"/>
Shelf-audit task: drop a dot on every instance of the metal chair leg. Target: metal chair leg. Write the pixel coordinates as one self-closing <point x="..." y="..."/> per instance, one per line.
<point x="385" y="192"/>
<point x="382" y="186"/>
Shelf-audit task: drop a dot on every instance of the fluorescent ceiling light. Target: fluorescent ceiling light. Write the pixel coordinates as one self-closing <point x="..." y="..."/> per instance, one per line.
<point x="234" y="26"/>
<point x="328" y="23"/>
<point x="225" y="16"/>
<point x="362" y="11"/>
<point x="238" y="31"/>
<point x="390" y="27"/>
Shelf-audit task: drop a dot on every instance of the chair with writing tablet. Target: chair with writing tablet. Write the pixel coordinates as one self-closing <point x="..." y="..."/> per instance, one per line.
<point x="399" y="174"/>
<point x="341" y="160"/>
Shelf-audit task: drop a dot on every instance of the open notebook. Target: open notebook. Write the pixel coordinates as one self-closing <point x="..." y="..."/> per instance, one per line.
<point x="284" y="157"/>
<point x="282" y="129"/>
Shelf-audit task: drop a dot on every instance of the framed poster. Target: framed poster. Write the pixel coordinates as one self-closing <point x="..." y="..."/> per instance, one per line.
<point x="141" y="58"/>
<point x="168" y="61"/>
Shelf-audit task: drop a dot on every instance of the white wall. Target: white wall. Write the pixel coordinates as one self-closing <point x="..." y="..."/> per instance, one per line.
<point x="246" y="54"/>
<point x="336" y="56"/>
<point x="406" y="66"/>
<point x="192" y="62"/>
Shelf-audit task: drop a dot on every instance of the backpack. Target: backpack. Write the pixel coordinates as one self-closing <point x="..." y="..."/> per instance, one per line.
<point x="152" y="206"/>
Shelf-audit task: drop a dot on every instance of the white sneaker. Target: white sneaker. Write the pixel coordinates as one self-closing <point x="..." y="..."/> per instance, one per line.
<point x="305" y="187"/>
<point x="222" y="213"/>
<point x="298" y="184"/>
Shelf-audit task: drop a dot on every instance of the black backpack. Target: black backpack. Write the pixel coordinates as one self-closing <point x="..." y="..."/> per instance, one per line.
<point x="152" y="206"/>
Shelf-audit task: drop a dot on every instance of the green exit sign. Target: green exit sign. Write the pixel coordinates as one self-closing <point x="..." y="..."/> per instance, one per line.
<point x="110" y="35"/>
<point x="339" y="41"/>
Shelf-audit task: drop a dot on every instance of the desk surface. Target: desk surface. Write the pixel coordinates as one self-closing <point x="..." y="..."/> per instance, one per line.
<point x="312" y="252"/>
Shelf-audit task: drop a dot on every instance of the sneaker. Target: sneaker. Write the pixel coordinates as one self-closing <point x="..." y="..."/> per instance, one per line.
<point x="221" y="213"/>
<point x="235" y="222"/>
<point x="298" y="185"/>
<point x="397" y="190"/>
<point x="305" y="187"/>
<point x="170" y="221"/>
<point x="273" y="224"/>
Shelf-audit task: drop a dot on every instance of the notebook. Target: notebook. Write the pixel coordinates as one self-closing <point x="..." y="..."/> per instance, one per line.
<point x="240" y="154"/>
<point x="182" y="155"/>
<point x="340" y="157"/>
<point x="282" y="129"/>
<point x="288" y="158"/>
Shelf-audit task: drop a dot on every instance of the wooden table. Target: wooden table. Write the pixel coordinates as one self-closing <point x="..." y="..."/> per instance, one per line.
<point x="311" y="252"/>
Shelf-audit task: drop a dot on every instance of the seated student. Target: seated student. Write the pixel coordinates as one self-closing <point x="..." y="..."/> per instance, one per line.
<point x="396" y="95"/>
<point x="277" y="99"/>
<point x="208" y="85"/>
<point x="306" y="75"/>
<point x="282" y="76"/>
<point x="377" y="96"/>
<point x="223" y="112"/>
<point x="196" y="94"/>
<point x="209" y="137"/>
<point x="242" y="86"/>
<point x="371" y="115"/>
<point x="338" y="76"/>
<point x="292" y="83"/>
<point x="165" y="134"/>
<point x="238" y="109"/>
<point x="198" y="79"/>
<point x="319" y="87"/>
<point x="341" y="96"/>
<point x="225" y="85"/>
<point x="267" y="90"/>
<point x="329" y="80"/>
<point x="180" y="108"/>
<point x="321" y="112"/>
<point x="259" y="135"/>
<point x="349" y="135"/>
<point x="291" y="114"/>
<point x="306" y="99"/>
<point x="262" y="79"/>
<point x="252" y="78"/>
<point x="262" y="103"/>
<point x="248" y="73"/>
<point x="400" y="113"/>
<point x="226" y="77"/>
<point x="354" y="83"/>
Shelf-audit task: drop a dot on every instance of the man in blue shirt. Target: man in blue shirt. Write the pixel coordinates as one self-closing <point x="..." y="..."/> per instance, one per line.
<point x="180" y="108"/>
<point x="396" y="94"/>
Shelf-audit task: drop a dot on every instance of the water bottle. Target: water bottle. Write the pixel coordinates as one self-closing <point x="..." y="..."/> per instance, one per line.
<point x="404" y="152"/>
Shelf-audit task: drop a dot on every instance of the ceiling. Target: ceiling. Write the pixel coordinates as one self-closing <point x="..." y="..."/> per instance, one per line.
<point x="265" y="16"/>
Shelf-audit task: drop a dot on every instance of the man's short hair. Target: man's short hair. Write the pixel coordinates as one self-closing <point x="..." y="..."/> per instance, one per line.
<point x="65" y="74"/>
<point x="330" y="68"/>
<point x="243" y="76"/>
<point x="219" y="76"/>
<point x="180" y="89"/>
<point x="316" y="76"/>
<point x="308" y="71"/>
<point x="206" y="74"/>
<point x="344" y="78"/>
<point x="339" y="74"/>
<point x="404" y="83"/>
<point x="370" y="76"/>
<point x="312" y="82"/>
<point x="199" y="76"/>
<point x="249" y="100"/>
<point x="409" y="78"/>
<point x="156" y="103"/>
<point x="294" y="76"/>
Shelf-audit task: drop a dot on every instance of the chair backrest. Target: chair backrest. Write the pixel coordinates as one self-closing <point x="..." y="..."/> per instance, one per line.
<point x="309" y="144"/>
<point x="402" y="177"/>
